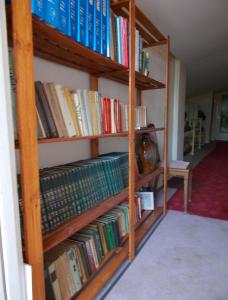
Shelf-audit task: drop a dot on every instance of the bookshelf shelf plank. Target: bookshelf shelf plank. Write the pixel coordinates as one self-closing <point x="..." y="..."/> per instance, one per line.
<point x="79" y="221"/>
<point x="93" y="137"/>
<point x="116" y="259"/>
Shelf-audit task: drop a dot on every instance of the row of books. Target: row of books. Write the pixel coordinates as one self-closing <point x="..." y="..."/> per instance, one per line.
<point x="73" y="262"/>
<point x="68" y="190"/>
<point x="86" y="21"/>
<point x="120" y="45"/>
<point x="93" y="24"/>
<point x="65" y="113"/>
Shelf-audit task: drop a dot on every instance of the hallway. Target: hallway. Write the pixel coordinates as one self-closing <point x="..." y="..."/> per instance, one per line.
<point x="210" y="186"/>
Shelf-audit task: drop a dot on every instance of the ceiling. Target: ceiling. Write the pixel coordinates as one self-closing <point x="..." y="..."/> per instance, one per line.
<point x="199" y="37"/>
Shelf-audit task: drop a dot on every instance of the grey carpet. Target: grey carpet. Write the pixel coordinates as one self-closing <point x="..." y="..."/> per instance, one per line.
<point x="186" y="258"/>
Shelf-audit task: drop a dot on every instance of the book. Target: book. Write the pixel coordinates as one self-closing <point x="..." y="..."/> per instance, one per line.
<point x="64" y="16"/>
<point x="52" y="13"/>
<point x="46" y="109"/>
<point x="73" y="24"/>
<point x="82" y="22"/>
<point x="57" y="108"/>
<point x="74" y="268"/>
<point x="38" y="8"/>
<point x="98" y="26"/>
<point x="105" y="25"/>
<point x="91" y="41"/>
<point x="55" y="282"/>
<point x="64" y="276"/>
<point x="53" y="108"/>
<point x="65" y="110"/>
<point x="72" y="110"/>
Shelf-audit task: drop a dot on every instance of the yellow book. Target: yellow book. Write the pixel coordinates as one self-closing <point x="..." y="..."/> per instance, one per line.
<point x="72" y="110"/>
<point x="93" y="111"/>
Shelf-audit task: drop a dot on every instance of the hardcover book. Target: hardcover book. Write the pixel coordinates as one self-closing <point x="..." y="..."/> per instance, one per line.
<point x="52" y="13"/>
<point x="38" y="8"/>
<point x="64" y="16"/>
<point x="91" y="41"/>
<point x="82" y="22"/>
<point x="98" y="26"/>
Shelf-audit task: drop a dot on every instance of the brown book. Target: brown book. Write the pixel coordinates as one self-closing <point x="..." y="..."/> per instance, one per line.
<point x="57" y="108"/>
<point x="46" y="108"/>
<point x="41" y="114"/>
<point x="53" y="108"/>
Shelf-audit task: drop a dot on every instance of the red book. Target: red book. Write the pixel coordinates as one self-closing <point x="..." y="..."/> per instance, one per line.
<point x="108" y="114"/>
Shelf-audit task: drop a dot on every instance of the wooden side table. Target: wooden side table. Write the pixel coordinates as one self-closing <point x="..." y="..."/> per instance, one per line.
<point x="185" y="172"/>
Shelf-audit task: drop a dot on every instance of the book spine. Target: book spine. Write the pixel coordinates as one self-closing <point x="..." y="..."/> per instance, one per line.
<point x="64" y="16"/>
<point x="98" y="26"/>
<point x="52" y="13"/>
<point x="74" y="269"/>
<point x="82" y="36"/>
<point x="119" y="40"/>
<point x="108" y="29"/>
<point x="38" y="8"/>
<point x="73" y="25"/>
<point x="91" y="24"/>
<point x="105" y="24"/>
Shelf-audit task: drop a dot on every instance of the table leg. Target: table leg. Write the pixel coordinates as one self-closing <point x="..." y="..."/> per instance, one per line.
<point x="190" y="186"/>
<point x="186" y="181"/>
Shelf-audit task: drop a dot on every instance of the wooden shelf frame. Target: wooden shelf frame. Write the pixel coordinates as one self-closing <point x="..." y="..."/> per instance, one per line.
<point x="29" y="37"/>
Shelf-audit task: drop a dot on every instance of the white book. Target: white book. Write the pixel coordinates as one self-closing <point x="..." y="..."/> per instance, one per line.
<point x="87" y="111"/>
<point x="65" y="110"/>
<point x="74" y="269"/>
<point x="85" y="130"/>
<point x="113" y="123"/>
<point x="147" y="200"/>
<point x="55" y="282"/>
<point x="99" y="112"/>
<point x="78" y="111"/>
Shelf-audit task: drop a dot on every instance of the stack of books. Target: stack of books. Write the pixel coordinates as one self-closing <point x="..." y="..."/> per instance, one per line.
<point x="73" y="262"/>
<point x="62" y="112"/>
<point x="120" y="45"/>
<point x="85" y="21"/>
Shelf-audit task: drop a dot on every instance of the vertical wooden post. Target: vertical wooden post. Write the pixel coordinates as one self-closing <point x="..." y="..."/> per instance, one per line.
<point x="166" y="113"/>
<point x="23" y="53"/>
<point x="94" y="144"/>
<point x="132" y="130"/>
<point x="139" y="97"/>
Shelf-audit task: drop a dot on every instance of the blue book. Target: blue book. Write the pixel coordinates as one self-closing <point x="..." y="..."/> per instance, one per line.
<point x="52" y="13"/>
<point x="64" y="6"/>
<point x="98" y="26"/>
<point x="73" y="22"/>
<point x="38" y="8"/>
<point x="105" y="44"/>
<point x="82" y="22"/>
<point x="91" y="24"/>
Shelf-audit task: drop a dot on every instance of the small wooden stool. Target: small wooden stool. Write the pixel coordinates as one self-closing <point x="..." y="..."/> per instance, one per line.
<point x="182" y="170"/>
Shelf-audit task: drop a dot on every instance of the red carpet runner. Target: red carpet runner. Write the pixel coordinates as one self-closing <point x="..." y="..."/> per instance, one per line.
<point x="210" y="186"/>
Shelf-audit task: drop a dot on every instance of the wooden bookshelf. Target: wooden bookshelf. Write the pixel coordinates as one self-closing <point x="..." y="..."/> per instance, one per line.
<point x="29" y="37"/>
<point x="77" y="222"/>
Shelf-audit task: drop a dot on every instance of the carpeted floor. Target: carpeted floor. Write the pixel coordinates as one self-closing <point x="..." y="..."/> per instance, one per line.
<point x="186" y="258"/>
<point x="210" y="186"/>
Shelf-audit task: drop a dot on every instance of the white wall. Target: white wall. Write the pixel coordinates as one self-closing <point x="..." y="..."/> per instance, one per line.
<point x="177" y="109"/>
<point x="204" y="103"/>
<point x="216" y="134"/>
